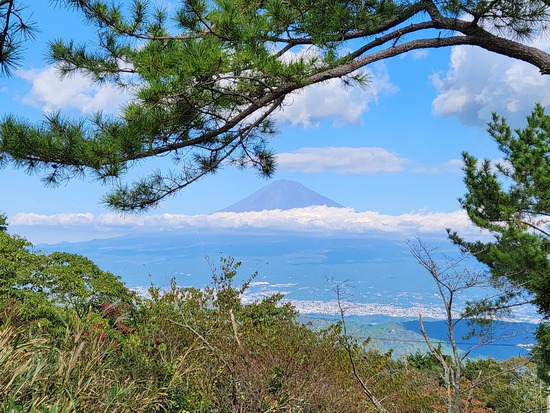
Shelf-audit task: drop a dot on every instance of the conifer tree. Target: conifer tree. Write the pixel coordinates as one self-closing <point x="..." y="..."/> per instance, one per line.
<point x="511" y="199"/>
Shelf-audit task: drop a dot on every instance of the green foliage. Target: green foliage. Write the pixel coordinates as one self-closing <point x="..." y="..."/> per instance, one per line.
<point x="43" y="286"/>
<point x="542" y="351"/>
<point x="207" y="76"/>
<point x="15" y="29"/>
<point x="510" y="386"/>
<point x="511" y="200"/>
<point x="426" y="361"/>
<point x="3" y="223"/>
<point x="215" y="353"/>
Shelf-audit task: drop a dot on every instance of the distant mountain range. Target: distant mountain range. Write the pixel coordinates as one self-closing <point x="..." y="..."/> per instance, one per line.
<point x="281" y="194"/>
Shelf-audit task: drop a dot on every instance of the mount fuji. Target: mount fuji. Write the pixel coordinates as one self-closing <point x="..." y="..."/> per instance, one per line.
<point x="281" y="194"/>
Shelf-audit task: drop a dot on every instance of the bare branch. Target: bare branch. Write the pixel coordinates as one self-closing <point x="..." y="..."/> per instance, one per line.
<point x="348" y="347"/>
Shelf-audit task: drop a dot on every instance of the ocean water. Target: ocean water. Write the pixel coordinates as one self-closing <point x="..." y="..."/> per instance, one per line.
<point x="370" y="266"/>
<point x="382" y="287"/>
<point x="375" y="274"/>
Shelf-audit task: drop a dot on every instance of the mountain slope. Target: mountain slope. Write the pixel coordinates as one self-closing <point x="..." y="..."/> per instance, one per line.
<point x="281" y="194"/>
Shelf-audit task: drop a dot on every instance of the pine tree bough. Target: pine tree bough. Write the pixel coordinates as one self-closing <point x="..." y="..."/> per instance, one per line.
<point x="15" y="29"/>
<point x="206" y="87"/>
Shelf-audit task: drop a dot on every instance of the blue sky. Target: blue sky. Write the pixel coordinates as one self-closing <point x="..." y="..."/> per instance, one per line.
<point x="389" y="152"/>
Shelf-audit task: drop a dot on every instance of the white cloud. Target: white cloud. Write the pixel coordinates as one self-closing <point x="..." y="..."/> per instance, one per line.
<point x="331" y="99"/>
<point x="342" y="160"/>
<point x="317" y="218"/>
<point x="415" y="54"/>
<point x="50" y="93"/>
<point x="419" y="54"/>
<point x="479" y="82"/>
<point x="451" y="166"/>
<point x="357" y="161"/>
<point x="345" y="105"/>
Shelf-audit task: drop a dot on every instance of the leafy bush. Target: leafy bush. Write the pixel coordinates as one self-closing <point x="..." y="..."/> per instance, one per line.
<point x="47" y="287"/>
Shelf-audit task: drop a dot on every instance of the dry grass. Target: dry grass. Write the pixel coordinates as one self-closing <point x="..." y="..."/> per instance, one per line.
<point x="78" y="376"/>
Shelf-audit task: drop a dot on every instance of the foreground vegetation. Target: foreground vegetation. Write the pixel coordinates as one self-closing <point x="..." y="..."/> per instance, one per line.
<point x="74" y="339"/>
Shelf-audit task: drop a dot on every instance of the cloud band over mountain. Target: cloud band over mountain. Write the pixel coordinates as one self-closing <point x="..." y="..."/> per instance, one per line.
<point x="316" y="218"/>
